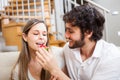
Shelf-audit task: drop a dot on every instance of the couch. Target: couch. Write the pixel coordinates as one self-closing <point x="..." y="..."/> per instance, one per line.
<point x="8" y="59"/>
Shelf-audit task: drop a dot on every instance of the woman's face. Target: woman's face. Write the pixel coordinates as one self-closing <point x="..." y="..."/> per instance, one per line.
<point x="37" y="36"/>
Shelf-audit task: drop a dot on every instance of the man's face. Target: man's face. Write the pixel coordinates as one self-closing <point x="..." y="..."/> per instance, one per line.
<point x="74" y="36"/>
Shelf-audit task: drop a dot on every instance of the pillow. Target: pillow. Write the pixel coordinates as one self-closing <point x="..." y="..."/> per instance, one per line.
<point x="7" y="61"/>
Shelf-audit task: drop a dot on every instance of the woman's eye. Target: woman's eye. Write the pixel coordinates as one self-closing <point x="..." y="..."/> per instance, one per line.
<point x="44" y="34"/>
<point x="35" y="33"/>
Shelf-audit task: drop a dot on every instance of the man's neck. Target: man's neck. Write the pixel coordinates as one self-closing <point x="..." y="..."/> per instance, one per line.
<point x="87" y="50"/>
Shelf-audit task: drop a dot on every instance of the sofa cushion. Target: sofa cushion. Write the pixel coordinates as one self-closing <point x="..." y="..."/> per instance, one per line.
<point x="7" y="60"/>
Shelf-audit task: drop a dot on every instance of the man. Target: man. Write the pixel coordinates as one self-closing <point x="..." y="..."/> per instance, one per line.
<point x="87" y="56"/>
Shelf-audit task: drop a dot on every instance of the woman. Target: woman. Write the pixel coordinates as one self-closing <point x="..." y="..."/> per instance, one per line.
<point x="34" y="36"/>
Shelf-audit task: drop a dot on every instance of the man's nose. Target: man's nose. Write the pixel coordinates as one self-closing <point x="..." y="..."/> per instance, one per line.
<point x="67" y="35"/>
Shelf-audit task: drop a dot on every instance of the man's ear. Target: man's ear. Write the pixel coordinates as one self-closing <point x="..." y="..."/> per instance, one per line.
<point x="88" y="34"/>
<point x="24" y="36"/>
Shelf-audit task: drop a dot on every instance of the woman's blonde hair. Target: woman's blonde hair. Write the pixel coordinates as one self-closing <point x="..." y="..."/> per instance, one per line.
<point x="24" y="57"/>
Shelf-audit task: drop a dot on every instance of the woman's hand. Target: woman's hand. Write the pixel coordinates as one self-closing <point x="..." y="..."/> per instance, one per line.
<point x="48" y="62"/>
<point x="53" y="78"/>
<point x="46" y="59"/>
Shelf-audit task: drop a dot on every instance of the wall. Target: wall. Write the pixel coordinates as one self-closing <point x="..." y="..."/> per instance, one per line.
<point x="113" y="21"/>
<point x="60" y="28"/>
<point x="2" y="4"/>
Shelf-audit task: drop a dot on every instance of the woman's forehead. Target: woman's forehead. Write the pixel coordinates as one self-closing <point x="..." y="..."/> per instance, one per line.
<point x="39" y="26"/>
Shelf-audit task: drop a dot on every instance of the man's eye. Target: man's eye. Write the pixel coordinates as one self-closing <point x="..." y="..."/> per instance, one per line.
<point x="71" y="32"/>
<point x="65" y="29"/>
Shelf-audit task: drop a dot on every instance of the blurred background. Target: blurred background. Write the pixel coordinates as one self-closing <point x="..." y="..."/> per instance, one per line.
<point x="15" y="13"/>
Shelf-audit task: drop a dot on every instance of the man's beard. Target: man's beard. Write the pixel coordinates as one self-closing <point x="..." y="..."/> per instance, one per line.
<point x="79" y="43"/>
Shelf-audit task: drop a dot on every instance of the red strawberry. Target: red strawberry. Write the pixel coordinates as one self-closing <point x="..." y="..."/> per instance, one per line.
<point x="42" y="45"/>
<point x="46" y="48"/>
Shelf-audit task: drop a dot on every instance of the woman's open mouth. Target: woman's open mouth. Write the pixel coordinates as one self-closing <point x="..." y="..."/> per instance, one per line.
<point x="40" y="44"/>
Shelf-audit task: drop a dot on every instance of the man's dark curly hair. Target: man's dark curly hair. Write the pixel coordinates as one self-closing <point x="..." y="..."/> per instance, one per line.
<point x="88" y="19"/>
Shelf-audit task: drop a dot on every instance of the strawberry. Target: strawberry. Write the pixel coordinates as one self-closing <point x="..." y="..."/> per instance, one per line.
<point x="42" y="45"/>
<point x="46" y="48"/>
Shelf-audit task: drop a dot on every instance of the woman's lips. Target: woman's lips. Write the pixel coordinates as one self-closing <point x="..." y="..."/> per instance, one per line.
<point x="42" y="45"/>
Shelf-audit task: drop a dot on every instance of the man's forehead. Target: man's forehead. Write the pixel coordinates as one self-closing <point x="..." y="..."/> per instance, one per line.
<point x="70" y="25"/>
<point x="71" y="28"/>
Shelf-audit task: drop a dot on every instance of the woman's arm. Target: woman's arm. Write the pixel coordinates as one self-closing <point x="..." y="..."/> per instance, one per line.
<point x="59" y="75"/>
<point x="47" y="60"/>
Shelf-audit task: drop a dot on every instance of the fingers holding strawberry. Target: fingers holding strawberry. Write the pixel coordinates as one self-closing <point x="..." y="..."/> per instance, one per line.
<point x="46" y="59"/>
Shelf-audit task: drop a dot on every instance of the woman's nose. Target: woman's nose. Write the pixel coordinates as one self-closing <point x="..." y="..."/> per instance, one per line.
<point x="40" y="37"/>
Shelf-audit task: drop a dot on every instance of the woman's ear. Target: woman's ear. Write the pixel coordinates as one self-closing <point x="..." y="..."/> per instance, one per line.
<point x="24" y="36"/>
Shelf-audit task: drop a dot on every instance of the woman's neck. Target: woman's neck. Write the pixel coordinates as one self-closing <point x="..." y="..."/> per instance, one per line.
<point x="35" y="69"/>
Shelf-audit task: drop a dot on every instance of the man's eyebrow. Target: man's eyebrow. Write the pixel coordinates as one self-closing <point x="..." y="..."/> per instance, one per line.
<point x="68" y="28"/>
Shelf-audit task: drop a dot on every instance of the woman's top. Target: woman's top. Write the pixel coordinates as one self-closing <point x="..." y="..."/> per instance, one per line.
<point x="58" y="53"/>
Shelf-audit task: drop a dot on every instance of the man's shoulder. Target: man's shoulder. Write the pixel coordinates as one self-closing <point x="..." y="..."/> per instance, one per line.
<point x="109" y="49"/>
<point x="66" y="47"/>
<point x="106" y="50"/>
<point x="107" y="46"/>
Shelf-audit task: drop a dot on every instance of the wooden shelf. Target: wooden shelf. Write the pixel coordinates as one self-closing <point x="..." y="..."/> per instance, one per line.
<point x="59" y="43"/>
<point x="13" y="24"/>
<point x="25" y="1"/>
<point x="31" y="17"/>
<point x="15" y="28"/>
<point x="26" y="10"/>
<point x="26" y="5"/>
<point x="14" y="1"/>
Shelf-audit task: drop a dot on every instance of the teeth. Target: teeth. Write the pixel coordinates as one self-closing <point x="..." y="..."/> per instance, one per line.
<point x="39" y="43"/>
<point x="69" y="40"/>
